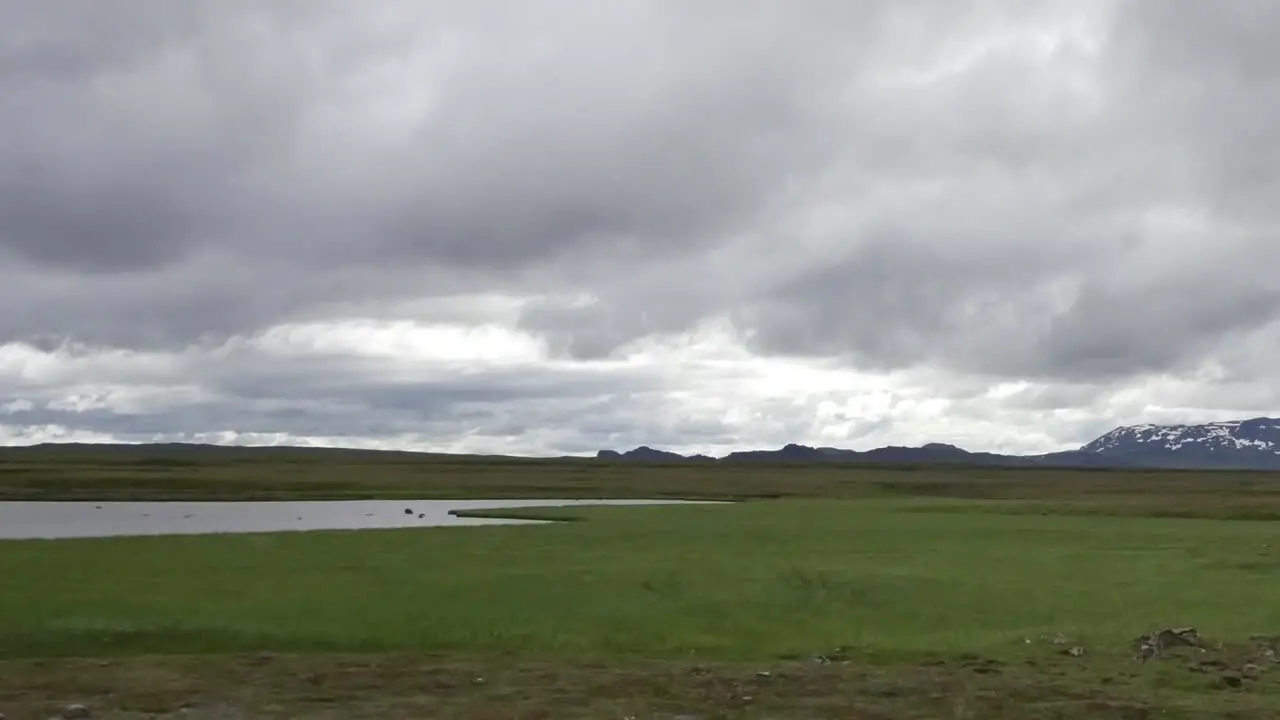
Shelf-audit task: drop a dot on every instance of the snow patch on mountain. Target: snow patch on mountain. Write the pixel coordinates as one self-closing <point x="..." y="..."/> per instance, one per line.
<point x="1257" y="435"/>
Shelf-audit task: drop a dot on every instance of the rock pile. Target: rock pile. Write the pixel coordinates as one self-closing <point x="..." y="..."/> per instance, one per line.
<point x="1153" y="644"/>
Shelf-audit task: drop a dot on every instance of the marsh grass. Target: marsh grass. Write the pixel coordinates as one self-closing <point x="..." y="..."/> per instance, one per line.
<point x="790" y="578"/>
<point x="1263" y="508"/>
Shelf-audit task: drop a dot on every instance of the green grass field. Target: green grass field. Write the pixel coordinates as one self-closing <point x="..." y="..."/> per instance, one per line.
<point x="905" y="593"/>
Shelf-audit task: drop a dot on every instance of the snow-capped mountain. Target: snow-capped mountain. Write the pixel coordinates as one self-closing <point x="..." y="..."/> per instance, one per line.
<point x="1251" y="443"/>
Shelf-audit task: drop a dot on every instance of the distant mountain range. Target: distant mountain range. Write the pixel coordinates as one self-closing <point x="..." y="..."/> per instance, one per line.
<point x="1242" y="444"/>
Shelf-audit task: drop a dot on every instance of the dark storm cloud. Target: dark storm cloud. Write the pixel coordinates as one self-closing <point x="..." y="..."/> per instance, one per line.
<point x="322" y="141"/>
<point x="1022" y="205"/>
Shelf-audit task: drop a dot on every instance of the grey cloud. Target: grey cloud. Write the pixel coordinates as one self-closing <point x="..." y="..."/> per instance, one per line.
<point x="187" y="171"/>
<point x="1027" y="312"/>
<point x="598" y="329"/>
<point x="1130" y="232"/>
<point x="576" y="411"/>
<point x="551" y="409"/>
<point x="245" y="133"/>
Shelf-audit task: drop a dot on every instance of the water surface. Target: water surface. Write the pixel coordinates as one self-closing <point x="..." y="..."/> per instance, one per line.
<point x="47" y="520"/>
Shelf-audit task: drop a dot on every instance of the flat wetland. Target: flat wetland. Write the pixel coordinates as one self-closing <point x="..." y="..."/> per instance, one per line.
<point x="825" y="592"/>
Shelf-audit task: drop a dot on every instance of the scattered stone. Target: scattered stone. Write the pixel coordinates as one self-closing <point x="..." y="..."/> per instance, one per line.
<point x="1251" y="671"/>
<point x="408" y="511"/>
<point x="1153" y="644"/>
<point x="840" y="655"/>
<point x="1206" y="666"/>
<point x="1268" y="645"/>
<point x="764" y="674"/>
<point x="1184" y="636"/>
<point x="75" y="712"/>
<point x="1076" y="651"/>
<point x="1232" y="679"/>
<point x="421" y="516"/>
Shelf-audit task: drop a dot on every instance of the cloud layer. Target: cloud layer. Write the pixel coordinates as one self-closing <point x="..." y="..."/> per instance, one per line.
<point x="534" y="227"/>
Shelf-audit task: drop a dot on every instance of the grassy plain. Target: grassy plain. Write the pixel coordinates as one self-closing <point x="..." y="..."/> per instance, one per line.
<point x="86" y="472"/>
<point x="838" y="592"/>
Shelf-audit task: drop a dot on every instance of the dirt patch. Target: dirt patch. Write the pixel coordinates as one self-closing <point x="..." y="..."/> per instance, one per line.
<point x="249" y="687"/>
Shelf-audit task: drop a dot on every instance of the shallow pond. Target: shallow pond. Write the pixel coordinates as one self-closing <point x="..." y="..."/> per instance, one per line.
<point x="33" y="520"/>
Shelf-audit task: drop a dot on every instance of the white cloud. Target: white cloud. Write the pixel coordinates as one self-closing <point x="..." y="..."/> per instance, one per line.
<point x="13" y="407"/>
<point x="399" y="383"/>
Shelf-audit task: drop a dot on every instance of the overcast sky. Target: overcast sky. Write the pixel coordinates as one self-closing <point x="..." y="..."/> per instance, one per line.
<point x="543" y="226"/>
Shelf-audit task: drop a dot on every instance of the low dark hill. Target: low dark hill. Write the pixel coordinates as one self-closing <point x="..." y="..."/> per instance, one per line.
<point x="1237" y="445"/>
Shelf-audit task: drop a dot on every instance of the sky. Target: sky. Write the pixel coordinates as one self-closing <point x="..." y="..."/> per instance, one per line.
<point x="550" y="227"/>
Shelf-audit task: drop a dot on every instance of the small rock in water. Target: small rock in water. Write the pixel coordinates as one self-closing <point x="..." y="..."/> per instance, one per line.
<point x="421" y="516"/>
<point x="408" y="511"/>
